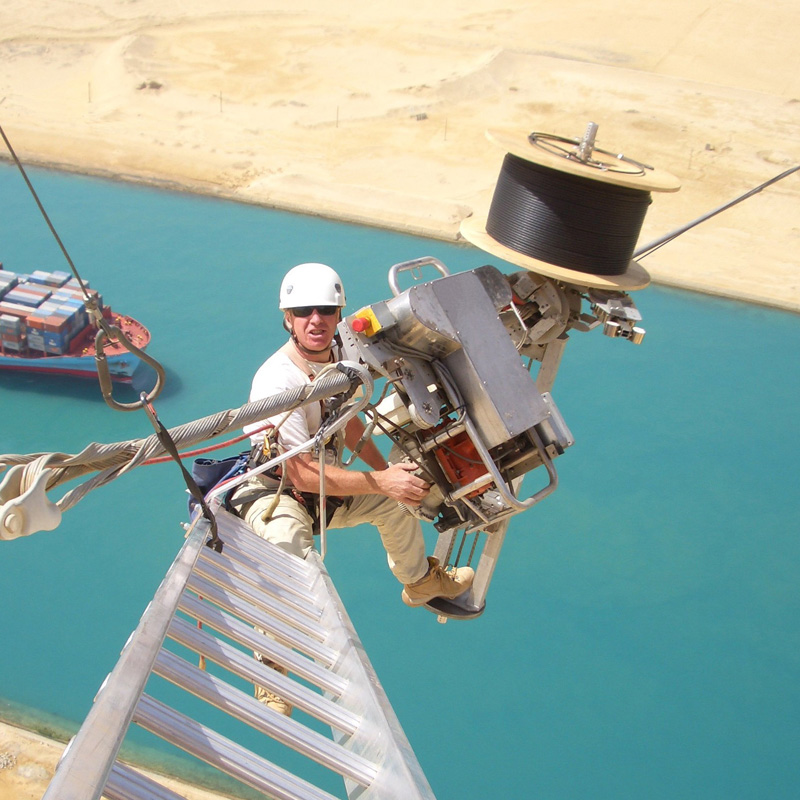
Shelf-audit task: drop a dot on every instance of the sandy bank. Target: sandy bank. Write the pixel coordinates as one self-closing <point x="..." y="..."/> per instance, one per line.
<point x="374" y="114"/>
<point x="28" y="761"/>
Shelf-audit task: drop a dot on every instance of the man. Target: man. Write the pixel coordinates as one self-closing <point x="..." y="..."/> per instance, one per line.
<point x="311" y="299"/>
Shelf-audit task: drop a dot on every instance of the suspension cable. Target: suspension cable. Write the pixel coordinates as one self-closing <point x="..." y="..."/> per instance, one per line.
<point x="111" y="461"/>
<point x="651" y="247"/>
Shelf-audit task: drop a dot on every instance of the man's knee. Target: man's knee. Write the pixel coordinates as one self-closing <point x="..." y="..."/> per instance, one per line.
<point x="284" y="522"/>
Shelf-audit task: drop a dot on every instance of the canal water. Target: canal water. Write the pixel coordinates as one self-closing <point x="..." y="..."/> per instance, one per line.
<point x="642" y="632"/>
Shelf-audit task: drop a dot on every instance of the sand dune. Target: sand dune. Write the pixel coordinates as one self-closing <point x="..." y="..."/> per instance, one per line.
<point x="377" y="114"/>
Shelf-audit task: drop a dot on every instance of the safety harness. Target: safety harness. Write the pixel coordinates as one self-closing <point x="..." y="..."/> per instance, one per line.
<point x="268" y="449"/>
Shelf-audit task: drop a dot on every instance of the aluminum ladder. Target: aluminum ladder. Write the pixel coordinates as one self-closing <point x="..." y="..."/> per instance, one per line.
<point x="216" y="605"/>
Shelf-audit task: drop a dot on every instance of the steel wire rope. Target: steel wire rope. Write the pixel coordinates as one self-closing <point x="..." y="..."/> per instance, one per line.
<point x="44" y="214"/>
<point x="566" y="220"/>
<point x="651" y="247"/>
<point x="112" y="460"/>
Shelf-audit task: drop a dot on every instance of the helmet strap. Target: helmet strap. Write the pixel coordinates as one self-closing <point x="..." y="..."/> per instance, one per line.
<point x="304" y="350"/>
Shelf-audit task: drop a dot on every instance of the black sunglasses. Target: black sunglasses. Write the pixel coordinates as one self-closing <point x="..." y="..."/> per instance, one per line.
<point x="307" y="311"/>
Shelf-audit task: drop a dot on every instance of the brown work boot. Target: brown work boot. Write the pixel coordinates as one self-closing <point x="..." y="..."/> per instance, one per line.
<point x="268" y="698"/>
<point x="438" y="583"/>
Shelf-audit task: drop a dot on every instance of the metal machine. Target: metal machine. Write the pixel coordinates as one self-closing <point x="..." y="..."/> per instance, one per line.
<point x="459" y="402"/>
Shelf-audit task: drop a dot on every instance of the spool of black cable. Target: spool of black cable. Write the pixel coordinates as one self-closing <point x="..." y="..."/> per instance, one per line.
<point x="565" y="220"/>
<point x="572" y="215"/>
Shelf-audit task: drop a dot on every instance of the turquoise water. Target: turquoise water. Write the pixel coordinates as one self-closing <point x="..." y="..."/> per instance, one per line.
<point x="642" y="637"/>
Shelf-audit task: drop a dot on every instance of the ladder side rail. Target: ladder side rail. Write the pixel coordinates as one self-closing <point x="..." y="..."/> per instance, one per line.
<point x="220" y="752"/>
<point x="380" y="738"/>
<point x="89" y="757"/>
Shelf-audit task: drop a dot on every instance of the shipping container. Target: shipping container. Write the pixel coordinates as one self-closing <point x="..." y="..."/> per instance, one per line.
<point x="56" y="279"/>
<point x="23" y="298"/>
<point x="55" y="343"/>
<point x="38" y="276"/>
<point x="34" y="324"/>
<point x="7" y="282"/>
<point x="10" y="323"/>
<point x="36" y="341"/>
<point x="56" y="324"/>
<point x="34" y="288"/>
<point x="14" y="309"/>
<point x="77" y="294"/>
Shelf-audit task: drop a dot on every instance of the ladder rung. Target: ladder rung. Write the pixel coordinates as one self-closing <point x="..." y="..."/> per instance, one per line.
<point x="204" y="643"/>
<point x="289" y="732"/>
<point x="220" y="752"/>
<point x="241" y="538"/>
<point x="311" y="646"/>
<point x="259" y="566"/>
<point x="261" y="581"/>
<point x="125" y="783"/>
<point x="226" y="581"/>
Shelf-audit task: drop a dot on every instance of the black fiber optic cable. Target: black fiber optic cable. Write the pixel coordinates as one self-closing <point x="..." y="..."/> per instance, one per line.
<point x="572" y="222"/>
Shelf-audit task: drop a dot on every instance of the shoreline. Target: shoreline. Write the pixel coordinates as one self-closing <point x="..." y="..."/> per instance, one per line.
<point x="749" y="294"/>
<point x="28" y="760"/>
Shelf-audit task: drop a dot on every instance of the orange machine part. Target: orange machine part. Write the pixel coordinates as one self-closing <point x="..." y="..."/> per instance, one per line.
<point x="460" y="462"/>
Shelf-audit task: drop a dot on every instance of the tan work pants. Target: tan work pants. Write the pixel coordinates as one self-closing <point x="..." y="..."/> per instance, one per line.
<point x="290" y="527"/>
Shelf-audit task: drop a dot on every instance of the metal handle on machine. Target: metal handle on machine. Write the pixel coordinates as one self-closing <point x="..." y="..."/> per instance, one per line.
<point x="488" y="461"/>
<point x="520" y="505"/>
<point x="416" y="263"/>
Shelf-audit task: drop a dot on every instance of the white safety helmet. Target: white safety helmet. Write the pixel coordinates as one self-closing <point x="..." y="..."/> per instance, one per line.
<point x="311" y="285"/>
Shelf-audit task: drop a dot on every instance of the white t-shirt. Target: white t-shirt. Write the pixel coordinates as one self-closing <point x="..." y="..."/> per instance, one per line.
<point x="279" y="374"/>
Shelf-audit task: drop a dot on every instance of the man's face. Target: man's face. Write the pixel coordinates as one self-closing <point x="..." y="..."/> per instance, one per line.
<point x="314" y="332"/>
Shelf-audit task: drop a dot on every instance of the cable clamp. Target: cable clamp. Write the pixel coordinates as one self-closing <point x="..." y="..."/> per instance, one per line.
<point x="26" y="511"/>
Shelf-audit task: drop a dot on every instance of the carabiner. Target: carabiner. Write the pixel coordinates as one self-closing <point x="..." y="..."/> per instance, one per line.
<point x="104" y="374"/>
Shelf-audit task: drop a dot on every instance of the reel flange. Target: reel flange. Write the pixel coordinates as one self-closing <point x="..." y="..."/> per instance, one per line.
<point x="567" y="209"/>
